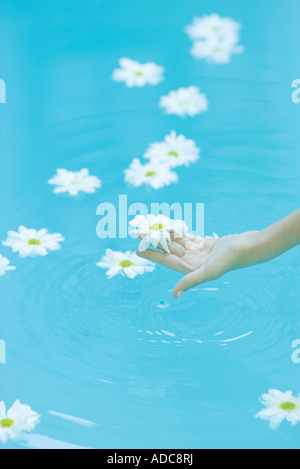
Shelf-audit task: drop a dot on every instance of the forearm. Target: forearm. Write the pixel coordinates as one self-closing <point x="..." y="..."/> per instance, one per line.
<point x="275" y="240"/>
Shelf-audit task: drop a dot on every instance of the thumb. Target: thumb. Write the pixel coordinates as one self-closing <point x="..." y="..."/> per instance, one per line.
<point x="193" y="279"/>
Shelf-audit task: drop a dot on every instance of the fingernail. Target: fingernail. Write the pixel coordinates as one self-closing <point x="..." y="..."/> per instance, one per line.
<point x="179" y="294"/>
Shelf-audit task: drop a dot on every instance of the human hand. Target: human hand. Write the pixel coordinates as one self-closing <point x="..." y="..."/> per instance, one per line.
<point x="203" y="259"/>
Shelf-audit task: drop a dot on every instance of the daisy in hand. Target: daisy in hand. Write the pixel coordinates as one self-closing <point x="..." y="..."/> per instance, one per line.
<point x="30" y="242"/>
<point x="4" y="265"/>
<point x="136" y="74"/>
<point x="18" y="419"/>
<point x="126" y="263"/>
<point x="185" y="102"/>
<point x="156" y="231"/>
<point x="75" y="182"/>
<point x="155" y="174"/>
<point x="176" y="150"/>
<point x="280" y="406"/>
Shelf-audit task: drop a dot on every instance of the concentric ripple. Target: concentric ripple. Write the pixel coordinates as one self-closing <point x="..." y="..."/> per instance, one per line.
<point x="123" y="353"/>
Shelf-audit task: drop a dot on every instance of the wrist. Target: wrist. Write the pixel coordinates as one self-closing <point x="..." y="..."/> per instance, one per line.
<point x="252" y="250"/>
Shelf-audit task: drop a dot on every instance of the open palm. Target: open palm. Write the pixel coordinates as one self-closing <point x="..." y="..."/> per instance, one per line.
<point x="200" y="259"/>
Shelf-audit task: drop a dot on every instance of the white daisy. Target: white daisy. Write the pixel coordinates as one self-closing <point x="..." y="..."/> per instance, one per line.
<point x="4" y="265"/>
<point x="75" y="182"/>
<point x="136" y="74"/>
<point x="18" y="419"/>
<point x="176" y="150"/>
<point x="280" y="406"/>
<point x="154" y="174"/>
<point x="185" y="102"/>
<point x="215" y="50"/>
<point x="213" y="26"/>
<point x="126" y="263"/>
<point x="30" y="242"/>
<point x="155" y="230"/>
<point x="216" y="39"/>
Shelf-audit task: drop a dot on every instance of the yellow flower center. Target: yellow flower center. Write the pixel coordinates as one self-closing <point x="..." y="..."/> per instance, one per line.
<point x="151" y="174"/>
<point x="34" y="242"/>
<point x="6" y="423"/>
<point x="138" y="74"/>
<point x="173" y="153"/>
<point x="288" y="406"/>
<point x="126" y="263"/>
<point x="184" y="104"/>
<point x="157" y="227"/>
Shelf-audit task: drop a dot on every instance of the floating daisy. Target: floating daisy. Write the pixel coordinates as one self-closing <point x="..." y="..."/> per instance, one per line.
<point x="280" y="406"/>
<point x="216" y="39"/>
<point x="136" y="74"/>
<point x="155" y="230"/>
<point x="4" y="265"/>
<point x="18" y="419"/>
<point x="75" y="182"/>
<point x="213" y="26"/>
<point x="176" y="150"/>
<point x="185" y="102"/>
<point x="126" y="263"/>
<point x="154" y="174"/>
<point x="30" y="242"/>
<point x="215" y="51"/>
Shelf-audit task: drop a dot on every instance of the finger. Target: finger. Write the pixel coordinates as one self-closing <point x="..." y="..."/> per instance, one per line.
<point x="178" y="239"/>
<point x="168" y="260"/>
<point x="193" y="279"/>
<point x="189" y="241"/>
<point x="177" y="249"/>
<point x="194" y="238"/>
<point x="173" y="248"/>
<point x="162" y="246"/>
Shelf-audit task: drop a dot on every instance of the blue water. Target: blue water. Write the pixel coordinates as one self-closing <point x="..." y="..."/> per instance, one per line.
<point x="77" y="342"/>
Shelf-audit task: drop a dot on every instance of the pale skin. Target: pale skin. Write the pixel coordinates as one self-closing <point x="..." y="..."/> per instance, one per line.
<point x="204" y="259"/>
